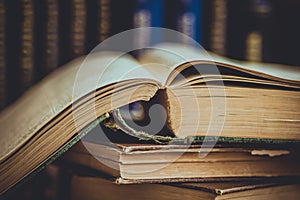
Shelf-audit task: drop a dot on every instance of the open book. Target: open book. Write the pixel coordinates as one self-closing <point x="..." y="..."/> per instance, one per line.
<point x="202" y="95"/>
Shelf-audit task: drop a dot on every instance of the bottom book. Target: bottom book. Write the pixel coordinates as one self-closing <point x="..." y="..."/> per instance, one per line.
<point x="93" y="188"/>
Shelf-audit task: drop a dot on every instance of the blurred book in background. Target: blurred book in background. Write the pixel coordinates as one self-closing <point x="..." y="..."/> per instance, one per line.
<point x="39" y="36"/>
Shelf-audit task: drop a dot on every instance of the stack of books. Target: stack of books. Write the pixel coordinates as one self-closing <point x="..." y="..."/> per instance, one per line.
<point x="176" y="171"/>
<point x="175" y="123"/>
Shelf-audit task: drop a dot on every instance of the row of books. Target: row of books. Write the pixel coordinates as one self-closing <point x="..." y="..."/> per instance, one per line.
<point x="38" y="36"/>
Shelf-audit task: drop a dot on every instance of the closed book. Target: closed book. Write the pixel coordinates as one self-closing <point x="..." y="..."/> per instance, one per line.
<point x="100" y="188"/>
<point x="285" y="32"/>
<point x="13" y="39"/>
<point x="3" y="51"/>
<point x="238" y="25"/>
<point x="146" y="163"/>
<point x="259" y="43"/>
<point x="243" y="30"/>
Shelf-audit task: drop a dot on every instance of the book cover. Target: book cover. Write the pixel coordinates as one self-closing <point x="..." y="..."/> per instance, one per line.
<point x="153" y="163"/>
<point x="285" y="32"/>
<point x="3" y="64"/>
<point x="122" y="19"/>
<point x="88" y="187"/>
<point x="238" y="24"/>
<point x="259" y="43"/>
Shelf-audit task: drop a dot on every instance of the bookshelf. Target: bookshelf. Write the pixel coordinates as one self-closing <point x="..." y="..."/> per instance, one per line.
<point x="41" y="36"/>
<point x="37" y="37"/>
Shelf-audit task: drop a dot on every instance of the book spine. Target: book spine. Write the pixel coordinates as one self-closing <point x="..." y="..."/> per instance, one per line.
<point x="148" y="13"/>
<point x="91" y="24"/>
<point x="238" y="24"/>
<point x="104" y="19"/>
<point x="27" y="45"/>
<point x="13" y="41"/>
<point x="250" y="30"/>
<point x="77" y="36"/>
<point x="258" y="43"/>
<point x="121" y="19"/>
<point x="51" y="36"/>
<point x="185" y="16"/>
<point x="285" y="32"/>
<point x="2" y="54"/>
<point x="218" y="27"/>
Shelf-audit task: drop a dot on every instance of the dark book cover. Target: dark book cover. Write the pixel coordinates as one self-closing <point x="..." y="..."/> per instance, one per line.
<point x="286" y="32"/>
<point x="13" y="39"/>
<point x="249" y="30"/>
<point x="2" y="54"/>
<point x="238" y="24"/>
<point x="73" y="29"/>
<point x="258" y="40"/>
<point x="122" y="15"/>
<point x="47" y="37"/>
<point x="107" y="18"/>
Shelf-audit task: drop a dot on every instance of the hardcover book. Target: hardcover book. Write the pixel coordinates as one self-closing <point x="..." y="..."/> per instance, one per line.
<point x="3" y="50"/>
<point x="99" y="188"/>
<point x="261" y="101"/>
<point x="153" y="163"/>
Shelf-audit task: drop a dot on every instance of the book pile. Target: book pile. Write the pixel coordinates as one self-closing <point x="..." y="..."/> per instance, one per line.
<point x="154" y="171"/>
<point x="190" y="126"/>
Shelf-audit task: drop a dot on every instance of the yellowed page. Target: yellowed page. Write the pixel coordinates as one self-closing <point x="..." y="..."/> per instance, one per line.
<point x="52" y="95"/>
<point x="174" y="55"/>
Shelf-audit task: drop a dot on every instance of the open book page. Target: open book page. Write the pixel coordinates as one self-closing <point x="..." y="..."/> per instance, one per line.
<point x="52" y="95"/>
<point x="175" y="56"/>
<point x="172" y="56"/>
<point x="283" y="72"/>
